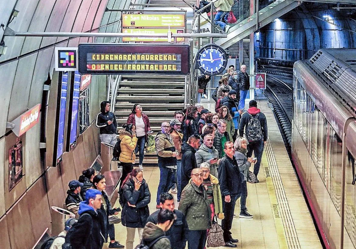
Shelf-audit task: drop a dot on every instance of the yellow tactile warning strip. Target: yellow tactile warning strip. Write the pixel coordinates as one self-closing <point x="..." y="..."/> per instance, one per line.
<point x="287" y="234"/>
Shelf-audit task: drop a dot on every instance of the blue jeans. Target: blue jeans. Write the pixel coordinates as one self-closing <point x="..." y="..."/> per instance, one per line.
<point x="243" y="196"/>
<point x="243" y="94"/>
<point x="257" y="148"/>
<point x="165" y="180"/>
<point x="199" y="97"/>
<point x="226" y="223"/>
<point x="179" y="179"/>
<point x="140" y="147"/>
<point x="196" y="239"/>
<point x="219" y="19"/>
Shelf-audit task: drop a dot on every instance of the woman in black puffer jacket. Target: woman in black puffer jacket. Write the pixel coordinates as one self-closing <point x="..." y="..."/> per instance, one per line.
<point x="135" y="198"/>
<point x="87" y="179"/>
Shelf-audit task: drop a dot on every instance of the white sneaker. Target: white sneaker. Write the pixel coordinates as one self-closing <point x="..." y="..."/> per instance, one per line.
<point x="204" y="96"/>
<point x="140" y="166"/>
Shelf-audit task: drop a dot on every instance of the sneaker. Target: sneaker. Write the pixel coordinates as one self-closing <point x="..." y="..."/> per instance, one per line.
<point x="257" y="181"/>
<point x="174" y="191"/>
<point x="140" y="166"/>
<point x="246" y="215"/>
<point x="204" y="96"/>
<point x="116" y="244"/>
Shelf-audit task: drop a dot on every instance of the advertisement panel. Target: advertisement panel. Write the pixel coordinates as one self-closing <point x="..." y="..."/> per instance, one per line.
<point x="153" y="20"/>
<point x="26" y="120"/>
<point x="62" y="114"/>
<point x="75" y="105"/>
<point x="133" y="58"/>
<point x="150" y="31"/>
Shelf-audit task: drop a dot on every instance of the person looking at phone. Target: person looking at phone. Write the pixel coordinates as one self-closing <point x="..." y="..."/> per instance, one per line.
<point x="106" y="122"/>
<point x="244" y="163"/>
<point x="207" y="153"/>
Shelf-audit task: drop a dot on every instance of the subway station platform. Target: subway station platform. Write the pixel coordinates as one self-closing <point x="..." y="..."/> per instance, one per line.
<point x="281" y="218"/>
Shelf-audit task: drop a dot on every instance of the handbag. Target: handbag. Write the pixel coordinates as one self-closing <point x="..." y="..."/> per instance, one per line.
<point x="215" y="236"/>
<point x="200" y="90"/>
<point x="114" y="219"/>
<point x="231" y="17"/>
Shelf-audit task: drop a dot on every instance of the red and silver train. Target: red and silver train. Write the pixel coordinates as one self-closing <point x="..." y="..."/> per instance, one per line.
<point x="324" y="141"/>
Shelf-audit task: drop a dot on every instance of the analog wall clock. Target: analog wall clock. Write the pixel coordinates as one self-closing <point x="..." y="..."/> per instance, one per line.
<point x="211" y="59"/>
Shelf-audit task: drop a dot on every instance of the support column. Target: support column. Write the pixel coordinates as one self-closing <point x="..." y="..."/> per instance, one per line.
<point x="241" y="54"/>
<point x="252" y="55"/>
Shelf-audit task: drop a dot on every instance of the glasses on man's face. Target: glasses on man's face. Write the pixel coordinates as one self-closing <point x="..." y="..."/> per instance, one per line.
<point x="166" y="126"/>
<point x="197" y="175"/>
<point x="205" y="171"/>
<point x="230" y="148"/>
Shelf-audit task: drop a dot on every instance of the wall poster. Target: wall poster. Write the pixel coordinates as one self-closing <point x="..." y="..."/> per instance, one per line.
<point x="15" y="164"/>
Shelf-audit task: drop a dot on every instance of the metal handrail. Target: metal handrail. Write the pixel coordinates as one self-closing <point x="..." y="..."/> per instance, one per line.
<point x="114" y="92"/>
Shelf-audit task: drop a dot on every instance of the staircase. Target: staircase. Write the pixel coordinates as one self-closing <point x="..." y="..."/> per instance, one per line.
<point x="159" y="95"/>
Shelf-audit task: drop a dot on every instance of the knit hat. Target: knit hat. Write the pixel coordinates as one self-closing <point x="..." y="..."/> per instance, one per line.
<point x="204" y="111"/>
<point x="232" y="92"/>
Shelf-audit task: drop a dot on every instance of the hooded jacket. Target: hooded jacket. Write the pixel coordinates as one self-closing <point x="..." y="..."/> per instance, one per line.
<point x="230" y="103"/>
<point x="152" y="232"/>
<point x="230" y="177"/>
<point x="195" y="206"/>
<point x="103" y="118"/>
<point x="127" y="145"/>
<point x="88" y="230"/>
<point x="204" y="154"/>
<point x="246" y="118"/>
<point x="188" y="163"/>
<point x="72" y="202"/>
<point x="178" y="233"/>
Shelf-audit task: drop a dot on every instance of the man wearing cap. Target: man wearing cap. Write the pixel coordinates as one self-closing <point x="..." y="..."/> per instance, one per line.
<point x="73" y="196"/>
<point x="201" y="122"/>
<point x="177" y="137"/>
<point x="87" y="233"/>
<point x="60" y="240"/>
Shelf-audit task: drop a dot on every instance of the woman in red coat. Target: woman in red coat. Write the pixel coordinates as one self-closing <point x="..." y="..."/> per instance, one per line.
<point x="142" y="124"/>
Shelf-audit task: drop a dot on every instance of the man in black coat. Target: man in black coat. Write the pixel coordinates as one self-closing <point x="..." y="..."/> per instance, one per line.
<point x="188" y="160"/>
<point x="73" y="197"/>
<point x="230" y="179"/>
<point x="178" y="233"/>
<point x="231" y="101"/>
<point x="244" y="81"/>
<point x="87" y="232"/>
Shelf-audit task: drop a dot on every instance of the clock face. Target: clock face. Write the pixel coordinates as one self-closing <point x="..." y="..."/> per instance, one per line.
<point x="211" y="59"/>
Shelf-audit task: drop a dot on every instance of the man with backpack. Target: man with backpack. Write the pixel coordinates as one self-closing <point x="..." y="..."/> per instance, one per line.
<point x="57" y="242"/>
<point x="153" y="236"/>
<point x="254" y="124"/>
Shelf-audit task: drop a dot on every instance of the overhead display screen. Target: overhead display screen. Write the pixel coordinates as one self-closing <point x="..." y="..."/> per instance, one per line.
<point x="153" y="20"/>
<point x="133" y="58"/>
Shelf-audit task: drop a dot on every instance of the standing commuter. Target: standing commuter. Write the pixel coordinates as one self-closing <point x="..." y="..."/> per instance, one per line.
<point x="221" y="137"/>
<point x="106" y="121"/>
<point x="254" y="124"/>
<point x="190" y="125"/>
<point x="224" y="113"/>
<point x="223" y="7"/>
<point x="244" y="81"/>
<point x="135" y="212"/>
<point x="224" y="85"/>
<point x="73" y="197"/>
<point x="188" y="160"/>
<point x="230" y="179"/>
<point x="128" y="144"/>
<point x="106" y="210"/>
<point x="142" y="124"/>
<point x="207" y="153"/>
<point x="202" y="82"/>
<point x="244" y="163"/>
<point x="61" y="238"/>
<point x="88" y="231"/>
<point x="196" y="209"/>
<point x="234" y="84"/>
<point x="178" y="233"/>
<point x="177" y="138"/>
<point x="179" y="115"/>
<point x="202" y="121"/>
<point x="167" y="159"/>
<point x="87" y="179"/>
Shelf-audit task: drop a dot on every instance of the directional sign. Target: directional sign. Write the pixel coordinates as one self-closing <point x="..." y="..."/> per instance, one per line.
<point x="260" y="81"/>
<point x="154" y="20"/>
<point x="151" y="31"/>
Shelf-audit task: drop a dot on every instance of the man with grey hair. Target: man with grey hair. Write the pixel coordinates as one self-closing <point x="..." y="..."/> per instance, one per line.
<point x="166" y="160"/>
<point x="244" y="81"/>
<point x="207" y="153"/>
<point x="221" y="137"/>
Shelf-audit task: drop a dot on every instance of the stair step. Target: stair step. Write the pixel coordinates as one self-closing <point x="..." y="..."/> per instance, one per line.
<point x="151" y="106"/>
<point x="151" y="84"/>
<point x="150" y="99"/>
<point x="148" y="113"/>
<point x="150" y="91"/>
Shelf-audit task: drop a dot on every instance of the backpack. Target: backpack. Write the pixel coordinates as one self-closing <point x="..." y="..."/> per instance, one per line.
<point x="49" y="241"/>
<point x="143" y="245"/>
<point x="117" y="150"/>
<point x="214" y="94"/>
<point x="254" y="129"/>
<point x="67" y="244"/>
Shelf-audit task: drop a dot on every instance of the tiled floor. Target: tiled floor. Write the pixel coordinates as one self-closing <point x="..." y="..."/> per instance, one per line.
<point x="281" y="217"/>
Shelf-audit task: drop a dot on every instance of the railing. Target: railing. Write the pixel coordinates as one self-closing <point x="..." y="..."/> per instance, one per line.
<point x="112" y="90"/>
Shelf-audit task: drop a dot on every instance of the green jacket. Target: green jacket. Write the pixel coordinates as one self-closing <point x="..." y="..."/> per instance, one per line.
<point x="218" y="207"/>
<point x="194" y="205"/>
<point x="152" y="232"/>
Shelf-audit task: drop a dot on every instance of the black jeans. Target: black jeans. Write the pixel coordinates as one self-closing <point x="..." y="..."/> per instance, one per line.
<point x="257" y="148"/>
<point x="226" y="223"/>
<point x="126" y="169"/>
<point x="196" y="239"/>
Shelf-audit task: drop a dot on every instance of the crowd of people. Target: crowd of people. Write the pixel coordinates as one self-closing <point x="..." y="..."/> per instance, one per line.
<point x="203" y="157"/>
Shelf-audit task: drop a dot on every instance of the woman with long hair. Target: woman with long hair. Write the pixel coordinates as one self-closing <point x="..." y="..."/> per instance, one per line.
<point x="105" y="210"/>
<point x="135" y="198"/>
<point x="142" y="124"/>
<point x="128" y="144"/>
<point x="224" y="113"/>
<point x="190" y="124"/>
<point x="87" y="179"/>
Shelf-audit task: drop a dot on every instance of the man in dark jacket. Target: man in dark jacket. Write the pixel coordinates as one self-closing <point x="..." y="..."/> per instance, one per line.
<point x="254" y="146"/>
<point x="202" y="82"/>
<point x="154" y="234"/>
<point x="234" y="84"/>
<point x="196" y="208"/>
<point x="87" y="233"/>
<point x="73" y="196"/>
<point x="230" y="180"/>
<point x="188" y="160"/>
<point x="244" y="81"/>
<point x="231" y="101"/>
<point x="106" y="121"/>
<point x="178" y="233"/>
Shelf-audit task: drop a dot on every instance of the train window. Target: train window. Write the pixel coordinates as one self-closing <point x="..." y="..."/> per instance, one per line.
<point x="313" y="127"/>
<point x="350" y="197"/>
<point x="336" y="171"/>
<point x="321" y="123"/>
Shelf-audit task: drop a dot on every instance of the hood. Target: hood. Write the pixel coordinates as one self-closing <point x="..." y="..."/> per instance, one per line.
<point x="123" y="133"/>
<point x="83" y="207"/>
<point x="214" y="180"/>
<point x="253" y="110"/>
<point x="102" y="106"/>
<point x="186" y="147"/>
<point x="151" y="232"/>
